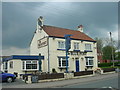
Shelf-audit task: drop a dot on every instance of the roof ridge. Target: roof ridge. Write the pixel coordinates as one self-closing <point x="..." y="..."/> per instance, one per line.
<point x="60" y="27"/>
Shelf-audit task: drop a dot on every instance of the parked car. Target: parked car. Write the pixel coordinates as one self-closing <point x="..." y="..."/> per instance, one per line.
<point x="7" y="77"/>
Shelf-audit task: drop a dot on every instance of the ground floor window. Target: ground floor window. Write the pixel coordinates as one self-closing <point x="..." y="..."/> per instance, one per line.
<point x="11" y="64"/>
<point x="30" y="65"/>
<point x="62" y="62"/>
<point x="5" y="64"/>
<point x="89" y="61"/>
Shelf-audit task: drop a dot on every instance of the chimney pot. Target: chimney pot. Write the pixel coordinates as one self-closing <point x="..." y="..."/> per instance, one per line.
<point x="80" y="28"/>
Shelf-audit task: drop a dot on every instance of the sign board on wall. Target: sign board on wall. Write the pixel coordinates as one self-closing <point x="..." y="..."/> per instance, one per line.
<point x="42" y="42"/>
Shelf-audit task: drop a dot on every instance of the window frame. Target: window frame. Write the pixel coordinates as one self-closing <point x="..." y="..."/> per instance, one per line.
<point x="60" y="62"/>
<point x="61" y="44"/>
<point x="5" y="65"/>
<point x="26" y="62"/>
<point x="88" y="59"/>
<point x="88" y="47"/>
<point x="76" y="46"/>
<point x="11" y="64"/>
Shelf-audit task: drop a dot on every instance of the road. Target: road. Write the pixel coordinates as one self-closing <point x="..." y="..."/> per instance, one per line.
<point x="98" y="81"/>
<point x="104" y="83"/>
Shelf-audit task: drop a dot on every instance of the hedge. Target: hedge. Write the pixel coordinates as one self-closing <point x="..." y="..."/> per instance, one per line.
<point x="107" y="64"/>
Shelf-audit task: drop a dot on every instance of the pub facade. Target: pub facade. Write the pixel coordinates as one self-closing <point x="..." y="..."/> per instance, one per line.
<point x="49" y="41"/>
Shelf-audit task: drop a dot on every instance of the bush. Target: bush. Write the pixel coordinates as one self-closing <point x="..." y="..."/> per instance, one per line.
<point x="107" y="64"/>
<point x="54" y="71"/>
<point x="116" y="63"/>
<point x="104" y="64"/>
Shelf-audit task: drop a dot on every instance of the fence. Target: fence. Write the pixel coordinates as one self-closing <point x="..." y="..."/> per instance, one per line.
<point x="108" y="69"/>
<point x="59" y="76"/>
<point x="83" y="73"/>
<point x="51" y="76"/>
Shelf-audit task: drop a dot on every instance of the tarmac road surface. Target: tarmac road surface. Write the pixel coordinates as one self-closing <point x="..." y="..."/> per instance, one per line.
<point x="86" y="82"/>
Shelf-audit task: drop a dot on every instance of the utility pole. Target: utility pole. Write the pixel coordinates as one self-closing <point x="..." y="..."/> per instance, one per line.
<point x="112" y="48"/>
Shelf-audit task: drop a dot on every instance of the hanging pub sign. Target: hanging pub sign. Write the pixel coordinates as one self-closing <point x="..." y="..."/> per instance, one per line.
<point x="42" y="42"/>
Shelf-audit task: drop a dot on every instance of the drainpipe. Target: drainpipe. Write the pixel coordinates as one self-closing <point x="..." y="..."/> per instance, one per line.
<point x="40" y="63"/>
<point x="48" y="57"/>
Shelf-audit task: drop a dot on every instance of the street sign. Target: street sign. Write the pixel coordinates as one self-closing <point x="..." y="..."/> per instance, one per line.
<point x="67" y="42"/>
<point x="67" y="47"/>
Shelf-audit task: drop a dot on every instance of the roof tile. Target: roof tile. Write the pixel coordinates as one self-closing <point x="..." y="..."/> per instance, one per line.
<point x="60" y="32"/>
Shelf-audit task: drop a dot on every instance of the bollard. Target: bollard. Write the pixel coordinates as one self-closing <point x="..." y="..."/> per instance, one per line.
<point x="68" y="75"/>
<point x="29" y="80"/>
<point x="101" y="71"/>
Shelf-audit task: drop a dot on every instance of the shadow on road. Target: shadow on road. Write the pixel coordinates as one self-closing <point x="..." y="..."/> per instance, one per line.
<point x="17" y="81"/>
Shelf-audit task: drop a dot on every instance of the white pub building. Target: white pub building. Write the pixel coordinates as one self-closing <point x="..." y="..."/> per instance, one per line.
<point x="49" y="41"/>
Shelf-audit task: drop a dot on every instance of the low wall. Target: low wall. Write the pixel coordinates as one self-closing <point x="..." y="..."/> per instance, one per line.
<point x="68" y="75"/>
<point x="108" y="69"/>
<point x="51" y="76"/>
<point x="61" y="76"/>
<point x="83" y="73"/>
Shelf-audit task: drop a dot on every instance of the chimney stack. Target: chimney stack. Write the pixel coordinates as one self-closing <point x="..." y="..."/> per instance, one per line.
<point x="80" y="28"/>
<point x="40" y="21"/>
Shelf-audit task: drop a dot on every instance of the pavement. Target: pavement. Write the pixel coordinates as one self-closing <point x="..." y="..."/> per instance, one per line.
<point x="58" y="84"/>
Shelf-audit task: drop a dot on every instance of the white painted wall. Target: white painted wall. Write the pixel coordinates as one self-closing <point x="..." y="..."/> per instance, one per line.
<point x="54" y="53"/>
<point x="34" y="50"/>
<point x="17" y="66"/>
<point x="72" y="67"/>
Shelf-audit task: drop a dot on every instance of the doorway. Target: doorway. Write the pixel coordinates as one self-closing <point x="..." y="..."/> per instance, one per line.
<point x="77" y="65"/>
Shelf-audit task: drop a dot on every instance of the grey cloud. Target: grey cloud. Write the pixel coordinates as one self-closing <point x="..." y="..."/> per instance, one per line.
<point x="19" y="19"/>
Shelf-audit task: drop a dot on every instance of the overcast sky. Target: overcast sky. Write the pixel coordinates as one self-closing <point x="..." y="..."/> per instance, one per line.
<point x="19" y="20"/>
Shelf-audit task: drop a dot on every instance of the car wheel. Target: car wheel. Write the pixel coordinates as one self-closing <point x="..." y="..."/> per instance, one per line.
<point x="9" y="79"/>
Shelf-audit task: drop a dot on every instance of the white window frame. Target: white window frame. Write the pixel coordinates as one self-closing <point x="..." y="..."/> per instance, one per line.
<point x="60" y="60"/>
<point x="88" y="59"/>
<point x="5" y="65"/>
<point x="31" y="62"/>
<point x="11" y="64"/>
<point x="76" y="46"/>
<point x="88" y="47"/>
<point x="61" y="44"/>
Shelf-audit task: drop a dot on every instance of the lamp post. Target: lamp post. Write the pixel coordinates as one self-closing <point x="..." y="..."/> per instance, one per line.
<point x="112" y="47"/>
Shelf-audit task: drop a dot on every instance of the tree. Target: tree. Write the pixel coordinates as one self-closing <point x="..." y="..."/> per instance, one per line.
<point x="107" y="41"/>
<point x="107" y="52"/>
<point x="117" y="56"/>
<point x="99" y="44"/>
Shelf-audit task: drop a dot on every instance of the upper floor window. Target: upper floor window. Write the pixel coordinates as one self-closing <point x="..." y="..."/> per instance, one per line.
<point x="61" y="44"/>
<point x="88" y="47"/>
<point x="76" y="46"/>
